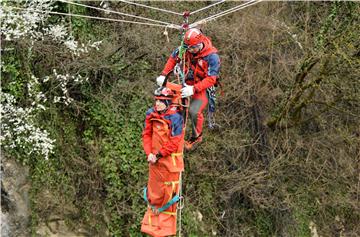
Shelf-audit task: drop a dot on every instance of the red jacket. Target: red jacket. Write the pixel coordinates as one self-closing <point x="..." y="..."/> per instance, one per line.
<point x="164" y="134"/>
<point x="202" y="69"/>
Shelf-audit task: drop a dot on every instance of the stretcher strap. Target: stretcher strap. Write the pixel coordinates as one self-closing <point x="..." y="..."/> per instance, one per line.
<point x="173" y="187"/>
<point x="169" y="213"/>
<point x="173" y="155"/>
<point x="174" y="200"/>
<point x="172" y="183"/>
<point x="150" y="223"/>
<point x="164" y="212"/>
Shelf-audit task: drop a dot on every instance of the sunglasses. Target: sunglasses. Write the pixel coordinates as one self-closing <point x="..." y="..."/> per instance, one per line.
<point x="193" y="47"/>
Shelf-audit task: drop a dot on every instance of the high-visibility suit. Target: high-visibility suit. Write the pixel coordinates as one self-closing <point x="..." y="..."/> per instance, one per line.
<point x="202" y="71"/>
<point x="163" y="135"/>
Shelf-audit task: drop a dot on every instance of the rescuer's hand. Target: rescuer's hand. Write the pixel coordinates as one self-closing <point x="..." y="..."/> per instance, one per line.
<point x="151" y="158"/>
<point x="160" y="80"/>
<point x="187" y="91"/>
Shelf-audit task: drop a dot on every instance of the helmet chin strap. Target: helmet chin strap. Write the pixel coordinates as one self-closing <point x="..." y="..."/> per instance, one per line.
<point x="200" y="49"/>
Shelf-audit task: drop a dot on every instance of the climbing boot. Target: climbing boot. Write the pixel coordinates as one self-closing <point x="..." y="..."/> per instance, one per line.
<point x="192" y="143"/>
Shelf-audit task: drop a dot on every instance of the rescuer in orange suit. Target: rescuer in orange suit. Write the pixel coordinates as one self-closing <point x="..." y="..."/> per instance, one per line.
<point x="163" y="138"/>
<point x="202" y="66"/>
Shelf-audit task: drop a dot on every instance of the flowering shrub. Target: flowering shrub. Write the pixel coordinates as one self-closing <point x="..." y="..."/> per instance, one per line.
<point x="26" y="21"/>
<point x="18" y="132"/>
<point x="63" y="81"/>
<point x="16" y="23"/>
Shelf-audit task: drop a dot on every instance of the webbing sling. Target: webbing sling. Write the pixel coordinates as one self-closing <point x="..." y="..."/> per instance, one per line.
<point x="174" y="200"/>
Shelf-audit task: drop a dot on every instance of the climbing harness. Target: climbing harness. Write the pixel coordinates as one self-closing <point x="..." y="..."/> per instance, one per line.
<point x="211" y="93"/>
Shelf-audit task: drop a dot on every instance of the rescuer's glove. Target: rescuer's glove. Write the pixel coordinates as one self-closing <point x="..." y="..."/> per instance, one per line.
<point x="152" y="158"/>
<point x="187" y="91"/>
<point x="160" y="80"/>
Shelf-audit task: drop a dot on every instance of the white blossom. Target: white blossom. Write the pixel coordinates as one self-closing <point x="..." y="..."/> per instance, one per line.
<point x="23" y="21"/>
<point x="71" y="44"/>
<point x="18" y="131"/>
<point x="96" y="44"/>
<point x="27" y="21"/>
<point x="58" y="32"/>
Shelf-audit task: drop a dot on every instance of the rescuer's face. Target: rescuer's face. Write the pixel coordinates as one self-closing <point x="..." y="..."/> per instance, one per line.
<point x="160" y="105"/>
<point x="195" y="49"/>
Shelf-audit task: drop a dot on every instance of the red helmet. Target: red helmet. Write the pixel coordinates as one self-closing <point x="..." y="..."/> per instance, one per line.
<point x="193" y="37"/>
<point x="163" y="93"/>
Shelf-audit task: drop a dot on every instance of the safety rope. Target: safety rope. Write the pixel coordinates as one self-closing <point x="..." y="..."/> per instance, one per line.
<point x="231" y="10"/>
<point x="182" y="76"/>
<point x="154" y="8"/>
<point x="115" y="12"/>
<point x="186" y="102"/>
<point x="204" y="8"/>
<point x="242" y="6"/>
<point x="163" y="24"/>
<point x="180" y="204"/>
<point x="97" y="18"/>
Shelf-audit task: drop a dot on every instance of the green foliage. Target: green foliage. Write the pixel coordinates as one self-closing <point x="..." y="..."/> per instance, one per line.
<point x="304" y="212"/>
<point x="96" y="176"/>
<point x="320" y="40"/>
<point x="264" y="223"/>
<point x="20" y="120"/>
<point x="12" y="81"/>
<point x="50" y="179"/>
<point x="80" y="26"/>
<point x="117" y="117"/>
<point x="191" y="225"/>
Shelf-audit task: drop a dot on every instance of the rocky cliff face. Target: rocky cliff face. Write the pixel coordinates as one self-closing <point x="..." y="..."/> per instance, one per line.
<point x="15" y="205"/>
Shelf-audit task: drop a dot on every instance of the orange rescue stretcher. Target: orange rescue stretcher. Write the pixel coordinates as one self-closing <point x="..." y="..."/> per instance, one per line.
<point x="162" y="192"/>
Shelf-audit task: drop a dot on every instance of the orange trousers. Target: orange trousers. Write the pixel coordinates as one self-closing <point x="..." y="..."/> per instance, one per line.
<point x="161" y="188"/>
